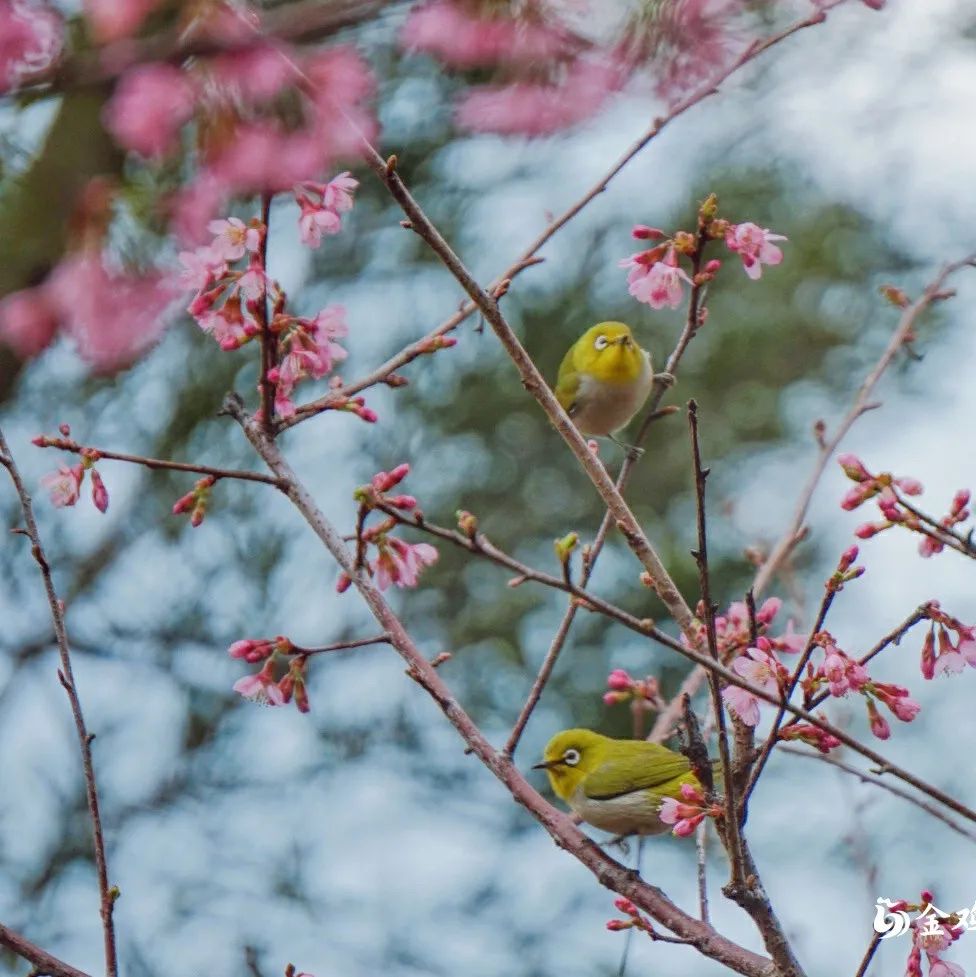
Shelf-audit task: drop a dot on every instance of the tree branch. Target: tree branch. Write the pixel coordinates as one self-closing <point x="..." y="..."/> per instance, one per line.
<point x="66" y="677"/>
<point x="44" y="962"/>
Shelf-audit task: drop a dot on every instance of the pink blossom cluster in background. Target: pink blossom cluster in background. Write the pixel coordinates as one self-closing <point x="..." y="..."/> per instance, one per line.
<point x="890" y="495"/>
<point x="933" y="932"/>
<point x="949" y="644"/>
<point x="31" y="38"/>
<point x="113" y="316"/>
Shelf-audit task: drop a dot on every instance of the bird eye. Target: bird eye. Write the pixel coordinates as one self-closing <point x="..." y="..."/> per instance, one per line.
<point x="571" y="757"/>
<point x="601" y="342"/>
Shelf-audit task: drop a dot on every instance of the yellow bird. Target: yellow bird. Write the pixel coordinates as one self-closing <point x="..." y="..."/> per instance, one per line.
<point x="615" y="785"/>
<point x="604" y="379"/>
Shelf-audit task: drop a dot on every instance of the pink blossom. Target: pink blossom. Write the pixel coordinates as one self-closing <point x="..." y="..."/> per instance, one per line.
<point x="808" y="733"/>
<point x="928" y="546"/>
<point x="114" y="317"/>
<point x="263" y="156"/>
<point x="30" y="40"/>
<point x="619" y="680"/>
<point x="754" y="246"/>
<point x="232" y="237"/>
<point x="112" y="20"/>
<point x="687" y="813"/>
<point x="937" y="966"/>
<point x="768" y="611"/>
<point x="384" y="481"/>
<point x="446" y="30"/>
<point x="400" y="563"/>
<point x="228" y="325"/>
<point x="910" y="486"/>
<point x="761" y="670"/>
<point x="148" y="107"/>
<point x="323" y="215"/>
<point x="315" y="222"/>
<point x="99" y="492"/>
<point x="28" y="324"/>
<point x="261" y="686"/>
<point x="201" y="268"/>
<point x="253" y="283"/>
<point x="658" y="284"/>
<point x="193" y="206"/>
<point x="255" y="74"/>
<point x="64" y="485"/>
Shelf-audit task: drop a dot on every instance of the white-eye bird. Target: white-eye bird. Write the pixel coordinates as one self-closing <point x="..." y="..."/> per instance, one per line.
<point x="615" y="785"/>
<point x="604" y="379"/>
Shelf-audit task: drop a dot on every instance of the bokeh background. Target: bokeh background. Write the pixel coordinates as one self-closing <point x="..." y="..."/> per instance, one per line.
<point x="359" y="839"/>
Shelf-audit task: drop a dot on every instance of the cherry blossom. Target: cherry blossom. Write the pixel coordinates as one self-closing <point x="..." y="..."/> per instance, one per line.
<point x="658" y="283"/>
<point x="28" y="323"/>
<point x="754" y="246"/>
<point x="64" y="485"/>
<point x="148" y="107"/>
<point x="760" y="669"/>
<point x="400" y="563"/>
<point x="232" y="237"/>
<point x="112" y="20"/>
<point x="30" y="39"/>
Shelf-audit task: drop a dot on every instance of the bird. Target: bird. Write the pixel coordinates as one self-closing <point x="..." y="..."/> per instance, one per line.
<point x="604" y="379"/>
<point x="616" y="785"/>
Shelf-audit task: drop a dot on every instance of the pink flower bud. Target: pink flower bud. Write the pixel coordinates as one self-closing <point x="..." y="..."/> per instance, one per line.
<point x="712" y="266"/>
<point x="686" y="826"/>
<point x="928" y="656"/>
<point x="768" y="611"/>
<point x="343" y="583"/>
<point x="889" y="509"/>
<point x="691" y="793"/>
<point x="616" y="925"/>
<point x="868" y="529"/>
<point x="626" y="906"/>
<point x="65" y="430"/>
<point x="853" y="467"/>
<point x="199" y="511"/>
<point x="847" y="558"/>
<point x="959" y="501"/>
<point x="879" y="725"/>
<point x="403" y="502"/>
<point x="184" y="503"/>
<point x="644" y="233"/>
<point x="929" y="547"/>
<point x="40" y="441"/>
<point x="99" y="492"/>
<point x="620" y="680"/>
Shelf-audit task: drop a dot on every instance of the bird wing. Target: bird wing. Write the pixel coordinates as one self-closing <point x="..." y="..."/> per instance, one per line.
<point x="652" y="766"/>
<point x="567" y="383"/>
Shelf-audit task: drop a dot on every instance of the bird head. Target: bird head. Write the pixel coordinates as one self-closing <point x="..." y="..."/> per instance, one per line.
<point x="609" y="352"/>
<point x="569" y="757"/>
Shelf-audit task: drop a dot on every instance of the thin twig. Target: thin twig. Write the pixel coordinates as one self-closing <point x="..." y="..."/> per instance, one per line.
<point x="379" y="639"/>
<point x="869" y="778"/>
<point x="157" y="464"/>
<point x="269" y="341"/>
<point x="731" y="833"/>
<point x="107" y="894"/>
<point x="868" y="955"/>
<point x="44" y="962"/>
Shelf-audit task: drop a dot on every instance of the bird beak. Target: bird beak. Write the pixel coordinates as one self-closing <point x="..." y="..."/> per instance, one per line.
<point x="546" y="764"/>
<point x="623" y="341"/>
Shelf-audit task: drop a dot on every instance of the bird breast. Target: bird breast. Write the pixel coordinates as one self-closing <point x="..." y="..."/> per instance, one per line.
<point x="604" y="407"/>
<point x="628" y="814"/>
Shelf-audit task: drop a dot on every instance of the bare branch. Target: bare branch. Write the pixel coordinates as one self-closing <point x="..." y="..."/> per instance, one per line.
<point x="107" y="893"/>
<point x="44" y="962"/>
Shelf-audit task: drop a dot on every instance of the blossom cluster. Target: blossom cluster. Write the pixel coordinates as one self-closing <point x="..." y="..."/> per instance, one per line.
<point x="64" y="485"/>
<point x="656" y="276"/>
<point x="233" y="294"/>
<point x="396" y="562"/>
<point x="636" y="919"/>
<point x="623" y="688"/>
<point x="267" y="685"/>
<point x="933" y="932"/>
<point x="733" y="629"/>
<point x="686" y="814"/>
<point x="949" y="645"/>
<point x="890" y="494"/>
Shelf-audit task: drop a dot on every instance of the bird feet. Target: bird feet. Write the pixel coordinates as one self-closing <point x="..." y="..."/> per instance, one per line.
<point x="665" y="379"/>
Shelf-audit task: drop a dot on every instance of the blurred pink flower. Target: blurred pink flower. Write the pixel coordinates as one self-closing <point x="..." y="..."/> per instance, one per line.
<point x="255" y="74"/>
<point x="31" y="37"/>
<point x="28" y="324"/>
<point x="201" y="268"/>
<point x="754" y="246"/>
<point x="760" y="669"/>
<point x="193" y="207"/>
<point x="462" y="39"/>
<point x="112" y="20"/>
<point x="148" y="107"/>
<point x="114" y="317"/>
<point x="537" y="108"/>
<point x="263" y="156"/>
<point x="64" y="485"/>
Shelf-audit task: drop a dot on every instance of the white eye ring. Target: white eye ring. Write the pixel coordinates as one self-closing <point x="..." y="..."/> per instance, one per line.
<point x="601" y="342"/>
<point x="571" y="758"/>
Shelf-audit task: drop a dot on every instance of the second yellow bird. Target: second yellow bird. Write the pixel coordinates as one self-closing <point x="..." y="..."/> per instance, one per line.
<point x="615" y="785"/>
<point x="604" y="379"/>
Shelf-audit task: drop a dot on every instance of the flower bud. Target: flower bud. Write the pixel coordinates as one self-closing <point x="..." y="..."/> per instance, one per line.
<point x="620" y="680"/>
<point x="99" y="492"/>
<point x="343" y="583"/>
<point x="853" y="467"/>
<point x="892" y="293"/>
<point x="644" y="233"/>
<point x="712" y="266"/>
<point x="467" y="523"/>
<point x="65" y="430"/>
<point x="565" y="546"/>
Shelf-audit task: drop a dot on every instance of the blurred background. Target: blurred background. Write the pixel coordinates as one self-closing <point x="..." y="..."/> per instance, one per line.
<point x="359" y="839"/>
